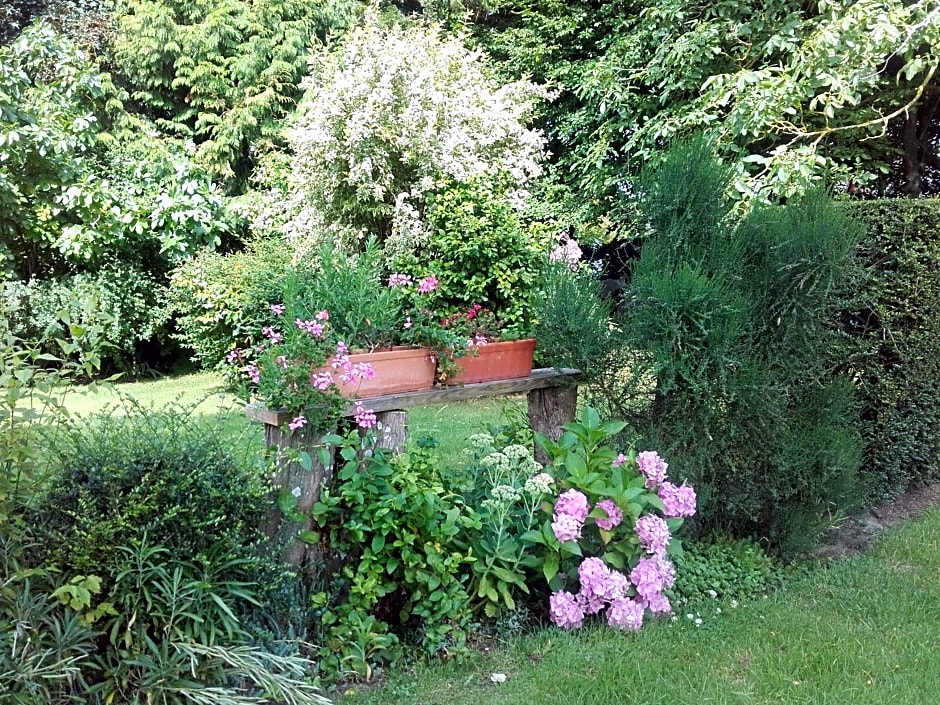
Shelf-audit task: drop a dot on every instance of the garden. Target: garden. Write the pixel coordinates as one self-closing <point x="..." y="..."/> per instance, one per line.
<point x="563" y="390"/>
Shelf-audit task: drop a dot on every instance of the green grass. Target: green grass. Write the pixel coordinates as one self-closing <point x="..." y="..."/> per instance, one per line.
<point x="864" y="631"/>
<point x="451" y="424"/>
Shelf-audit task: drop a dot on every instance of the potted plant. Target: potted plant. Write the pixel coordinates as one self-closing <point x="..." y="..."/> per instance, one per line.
<point x="491" y="349"/>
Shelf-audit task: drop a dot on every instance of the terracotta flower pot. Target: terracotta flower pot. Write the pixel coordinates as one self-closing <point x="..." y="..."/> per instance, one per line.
<point x="495" y="361"/>
<point x="399" y="369"/>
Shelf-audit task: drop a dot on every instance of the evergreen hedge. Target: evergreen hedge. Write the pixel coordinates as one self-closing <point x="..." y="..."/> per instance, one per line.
<point x="892" y="345"/>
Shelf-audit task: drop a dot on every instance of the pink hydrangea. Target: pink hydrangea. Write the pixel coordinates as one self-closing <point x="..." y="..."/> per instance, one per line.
<point x="653" y="534"/>
<point x="677" y="501"/>
<point x="565" y="610"/>
<point x="593" y="574"/>
<point x="574" y="504"/>
<point x="625" y="613"/>
<point x="657" y="604"/>
<point x="652" y="467"/>
<point x="652" y="575"/>
<point x="614" y="515"/>
<point x="566" y="528"/>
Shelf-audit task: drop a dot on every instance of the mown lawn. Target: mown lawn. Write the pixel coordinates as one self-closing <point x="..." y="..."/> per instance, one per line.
<point x="863" y="631"/>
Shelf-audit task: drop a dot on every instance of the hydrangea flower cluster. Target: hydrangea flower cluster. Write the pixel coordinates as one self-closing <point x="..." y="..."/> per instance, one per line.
<point x="601" y="588"/>
<point x="571" y="511"/>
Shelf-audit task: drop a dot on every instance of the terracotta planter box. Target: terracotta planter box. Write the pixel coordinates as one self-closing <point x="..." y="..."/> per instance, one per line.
<point x="396" y="370"/>
<point x="495" y="361"/>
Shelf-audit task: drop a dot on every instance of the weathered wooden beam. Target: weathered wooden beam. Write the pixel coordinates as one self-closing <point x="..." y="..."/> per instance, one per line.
<point x="539" y="379"/>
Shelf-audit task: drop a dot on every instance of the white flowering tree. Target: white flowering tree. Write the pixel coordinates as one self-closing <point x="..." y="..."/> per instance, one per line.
<point x="392" y="114"/>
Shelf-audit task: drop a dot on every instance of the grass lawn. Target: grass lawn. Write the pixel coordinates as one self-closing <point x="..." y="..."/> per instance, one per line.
<point x="863" y="631"/>
<point x="451" y="424"/>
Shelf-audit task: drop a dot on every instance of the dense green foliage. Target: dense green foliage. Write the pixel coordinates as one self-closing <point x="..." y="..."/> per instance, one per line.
<point x="722" y="570"/>
<point x="224" y="73"/>
<point x="164" y="478"/>
<point x="791" y="92"/>
<point x="220" y="302"/>
<point x="893" y="353"/>
<point x="734" y="324"/>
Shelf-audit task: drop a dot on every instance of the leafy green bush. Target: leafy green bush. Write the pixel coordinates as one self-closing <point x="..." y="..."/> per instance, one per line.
<point x="733" y="325"/>
<point x="480" y="251"/>
<point x="723" y="569"/>
<point x="182" y="481"/>
<point x="221" y="301"/>
<point x="394" y="527"/>
<point x="892" y="326"/>
<point x="109" y="313"/>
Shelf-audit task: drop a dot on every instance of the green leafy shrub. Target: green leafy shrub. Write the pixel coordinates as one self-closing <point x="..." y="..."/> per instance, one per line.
<point x="221" y="301"/>
<point x="480" y="251"/>
<point x="892" y="326"/>
<point x="732" y="323"/>
<point x="723" y="569"/>
<point x="394" y="528"/>
<point x="184" y="482"/>
<point x="574" y="323"/>
<point x="109" y="313"/>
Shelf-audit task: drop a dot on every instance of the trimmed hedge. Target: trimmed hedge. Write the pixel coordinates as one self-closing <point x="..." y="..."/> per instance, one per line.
<point x="893" y="351"/>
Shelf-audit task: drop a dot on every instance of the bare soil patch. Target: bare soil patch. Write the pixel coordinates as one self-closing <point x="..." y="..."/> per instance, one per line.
<point x="857" y="533"/>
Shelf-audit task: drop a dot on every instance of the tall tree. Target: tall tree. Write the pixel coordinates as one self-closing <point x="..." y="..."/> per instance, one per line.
<point x="223" y="73"/>
<point x="793" y="91"/>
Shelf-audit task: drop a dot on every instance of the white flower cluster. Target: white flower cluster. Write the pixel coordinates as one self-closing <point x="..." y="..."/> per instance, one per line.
<point x="394" y="110"/>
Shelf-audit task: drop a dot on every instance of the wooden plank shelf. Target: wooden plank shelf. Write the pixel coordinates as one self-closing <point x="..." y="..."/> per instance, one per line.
<point x="545" y="378"/>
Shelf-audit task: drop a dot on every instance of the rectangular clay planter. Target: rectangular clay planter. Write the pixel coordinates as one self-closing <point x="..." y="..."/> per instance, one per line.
<point x="494" y="361"/>
<point x="396" y="370"/>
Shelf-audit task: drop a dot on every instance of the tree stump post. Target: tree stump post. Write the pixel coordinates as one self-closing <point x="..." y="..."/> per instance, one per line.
<point x="550" y="409"/>
<point x="291" y="477"/>
<point x="392" y="430"/>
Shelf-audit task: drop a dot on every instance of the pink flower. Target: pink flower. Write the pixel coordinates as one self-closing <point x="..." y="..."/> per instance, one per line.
<point x="427" y="285"/>
<point x="408" y="322"/>
<point x="298" y="422"/>
<point x="282" y="361"/>
<point x="593" y="574"/>
<point x="324" y="315"/>
<point x="658" y="605"/>
<point x="567" y="252"/>
<point x="254" y="374"/>
<point x="653" y="534"/>
<point x="565" y="610"/>
<point x="566" y="528"/>
<point x="233" y="356"/>
<point x="312" y="327"/>
<point x="677" y="501"/>
<point x="619" y="460"/>
<point x="365" y="418"/>
<point x="272" y="334"/>
<point x="614" y="515"/>
<point x="322" y="381"/>
<point x="574" y="504"/>
<point x="652" y="575"/>
<point x="652" y="467"/>
<point x="399" y="280"/>
<point x="277" y="309"/>
<point x="625" y="613"/>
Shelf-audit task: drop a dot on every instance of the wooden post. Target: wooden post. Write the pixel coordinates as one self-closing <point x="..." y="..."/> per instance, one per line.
<point x="551" y="408"/>
<point x="290" y="476"/>
<point x="392" y="430"/>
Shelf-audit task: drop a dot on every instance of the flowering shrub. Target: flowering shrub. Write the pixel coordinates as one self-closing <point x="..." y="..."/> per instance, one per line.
<point x="298" y="366"/>
<point x="393" y="111"/>
<point x="607" y="540"/>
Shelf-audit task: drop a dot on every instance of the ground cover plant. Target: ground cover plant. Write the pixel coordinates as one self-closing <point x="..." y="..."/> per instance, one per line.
<point x="859" y="631"/>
